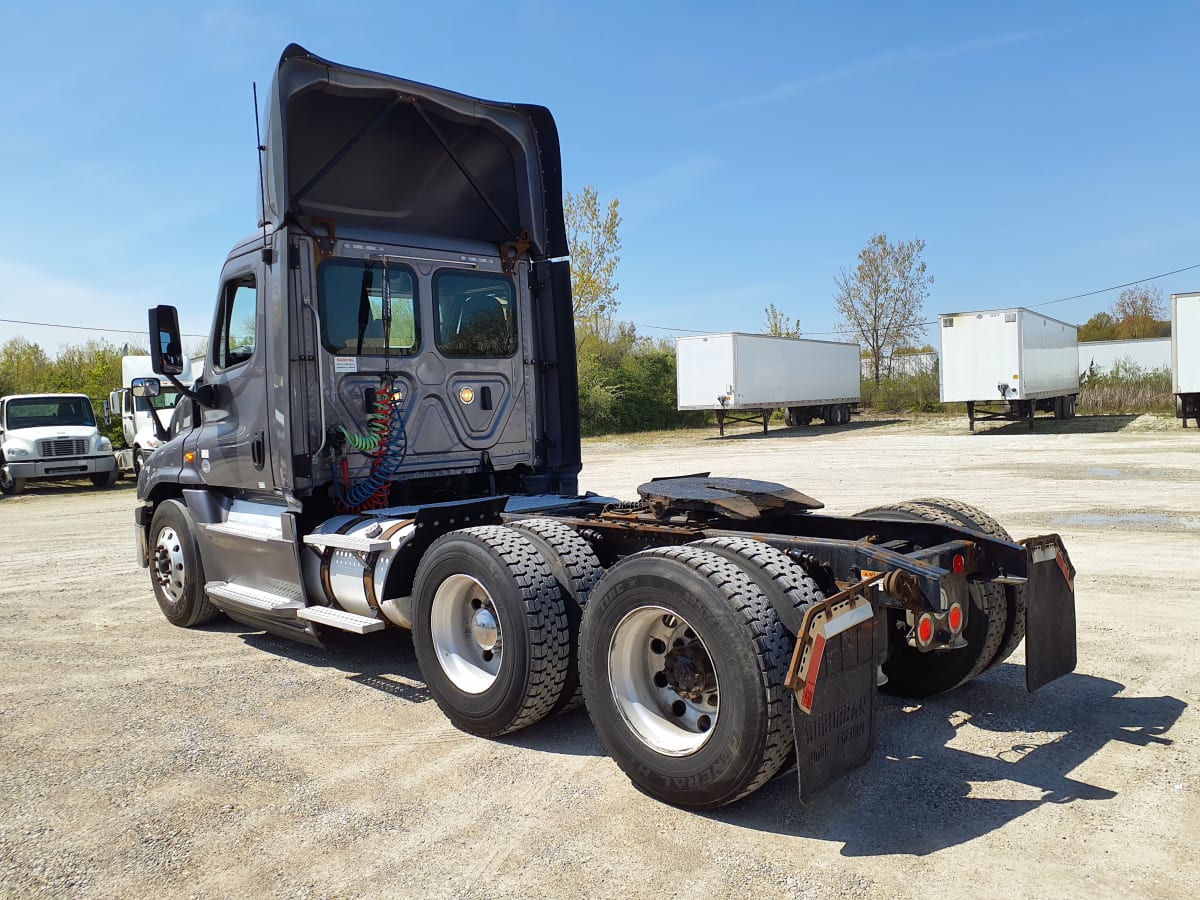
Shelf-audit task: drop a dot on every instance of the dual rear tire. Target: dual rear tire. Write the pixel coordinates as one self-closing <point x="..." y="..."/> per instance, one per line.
<point x="995" y="622"/>
<point x="683" y="661"/>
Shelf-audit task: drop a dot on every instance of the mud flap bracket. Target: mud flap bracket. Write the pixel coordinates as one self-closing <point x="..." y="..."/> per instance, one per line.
<point x="832" y="676"/>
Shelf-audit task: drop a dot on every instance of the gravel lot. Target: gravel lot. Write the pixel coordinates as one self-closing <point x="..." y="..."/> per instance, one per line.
<point x="139" y="759"/>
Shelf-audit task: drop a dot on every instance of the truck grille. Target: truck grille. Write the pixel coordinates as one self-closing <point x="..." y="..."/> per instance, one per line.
<point x="63" y="447"/>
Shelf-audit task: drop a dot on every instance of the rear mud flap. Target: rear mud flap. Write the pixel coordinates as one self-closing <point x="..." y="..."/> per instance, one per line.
<point x="833" y="677"/>
<point x="1050" y="650"/>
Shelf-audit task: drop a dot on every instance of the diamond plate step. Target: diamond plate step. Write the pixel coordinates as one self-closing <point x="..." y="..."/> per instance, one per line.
<point x="284" y="606"/>
<point x="339" y="618"/>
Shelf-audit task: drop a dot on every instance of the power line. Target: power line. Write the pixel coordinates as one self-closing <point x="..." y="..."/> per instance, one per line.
<point x="934" y="322"/>
<point x="87" y="328"/>
<point x="1103" y="290"/>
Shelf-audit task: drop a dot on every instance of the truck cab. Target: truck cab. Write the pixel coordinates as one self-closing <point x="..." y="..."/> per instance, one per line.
<point x="49" y="437"/>
<point x="396" y="333"/>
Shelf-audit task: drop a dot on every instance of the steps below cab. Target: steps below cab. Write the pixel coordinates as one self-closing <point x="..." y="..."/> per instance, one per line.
<point x="283" y="605"/>
<point x="339" y="618"/>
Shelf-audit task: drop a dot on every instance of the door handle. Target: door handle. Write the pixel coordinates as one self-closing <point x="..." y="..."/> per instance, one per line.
<point x="257" y="454"/>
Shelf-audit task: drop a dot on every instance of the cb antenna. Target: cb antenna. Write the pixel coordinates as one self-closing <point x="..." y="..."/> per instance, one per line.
<point x="262" y="185"/>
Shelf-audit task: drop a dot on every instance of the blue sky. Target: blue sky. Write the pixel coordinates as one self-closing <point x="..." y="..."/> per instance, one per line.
<point x="1040" y="149"/>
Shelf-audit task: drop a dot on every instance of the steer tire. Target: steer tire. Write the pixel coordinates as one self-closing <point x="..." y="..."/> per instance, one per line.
<point x="482" y="691"/>
<point x="575" y="567"/>
<point x="13" y="486"/>
<point x="739" y="638"/>
<point x="911" y="673"/>
<point x="176" y="570"/>
<point x="105" y="479"/>
<point x="1014" y="594"/>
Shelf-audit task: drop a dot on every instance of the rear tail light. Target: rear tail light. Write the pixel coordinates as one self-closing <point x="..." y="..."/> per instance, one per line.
<point x="955" y="618"/>
<point x="959" y="563"/>
<point x="925" y="630"/>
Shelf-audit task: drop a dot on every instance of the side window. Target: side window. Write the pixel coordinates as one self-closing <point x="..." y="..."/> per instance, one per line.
<point x="350" y="297"/>
<point x="181" y="420"/>
<point x="239" y="319"/>
<point x="476" y="314"/>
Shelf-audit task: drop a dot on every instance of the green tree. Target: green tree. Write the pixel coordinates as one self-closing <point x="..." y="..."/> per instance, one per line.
<point x="780" y="325"/>
<point x="594" y="237"/>
<point x="1100" y="327"/>
<point x="24" y="367"/>
<point x="882" y="300"/>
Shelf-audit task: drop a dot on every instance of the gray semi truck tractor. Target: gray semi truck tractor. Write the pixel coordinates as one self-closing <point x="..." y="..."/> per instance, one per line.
<point x="386" y="436"/>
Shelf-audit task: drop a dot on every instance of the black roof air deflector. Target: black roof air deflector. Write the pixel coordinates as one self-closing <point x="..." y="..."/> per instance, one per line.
<point x="360" y="148"/>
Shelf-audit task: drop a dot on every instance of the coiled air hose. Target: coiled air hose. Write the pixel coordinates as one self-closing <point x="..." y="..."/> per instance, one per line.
<point x="386" y="443"/>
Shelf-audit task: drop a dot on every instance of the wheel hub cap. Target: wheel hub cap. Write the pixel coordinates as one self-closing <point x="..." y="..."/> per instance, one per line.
<point x="467" y="636"/>
<point x="169" y="563"/>
<point x="485" y="629"/>
<point x="688" y="671"/>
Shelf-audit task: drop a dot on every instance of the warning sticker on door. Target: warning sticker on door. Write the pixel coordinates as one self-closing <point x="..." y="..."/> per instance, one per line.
<point x="345" y="364"/>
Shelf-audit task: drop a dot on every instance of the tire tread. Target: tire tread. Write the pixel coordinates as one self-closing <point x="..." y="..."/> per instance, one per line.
<point x="545" y="618"/>
<point x="577" y="571"/>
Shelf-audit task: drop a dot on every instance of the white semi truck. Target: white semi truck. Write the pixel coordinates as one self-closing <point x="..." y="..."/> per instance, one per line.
<point x="1009" y="364"/>
<point x="143" y="419"/>
<point x="52" y="437"/>
<point x="744" y="377"/>
<point x="1185" y="355"/>
<point x="387" y="436"/>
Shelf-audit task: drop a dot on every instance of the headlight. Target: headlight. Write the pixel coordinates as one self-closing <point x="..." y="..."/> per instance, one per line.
<point x="16" y="451"/>
<point x="104" y="445"/>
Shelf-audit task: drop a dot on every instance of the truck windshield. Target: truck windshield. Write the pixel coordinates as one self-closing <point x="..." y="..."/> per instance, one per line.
<point x="37" y="412"/>
<point x="168" y="399"/>
<point x="350" y="300"/>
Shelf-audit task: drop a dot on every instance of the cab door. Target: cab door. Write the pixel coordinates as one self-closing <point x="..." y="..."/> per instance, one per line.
<point x="232" y="442"/>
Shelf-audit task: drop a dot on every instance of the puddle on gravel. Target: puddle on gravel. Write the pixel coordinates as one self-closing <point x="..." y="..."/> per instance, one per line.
<point x="1103" y="472"/>
<point x="1113" y="520"/>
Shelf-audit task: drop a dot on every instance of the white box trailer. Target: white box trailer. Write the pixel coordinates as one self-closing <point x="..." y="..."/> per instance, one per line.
<point x="1185" y="355"/>
<point x="1010" y="362"/>
<point x="742" y="377"/>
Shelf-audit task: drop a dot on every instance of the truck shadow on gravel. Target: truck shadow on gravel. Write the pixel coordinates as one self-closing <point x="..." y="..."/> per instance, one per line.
<point x="386" y="662"/>
<point x="919" y="794"/>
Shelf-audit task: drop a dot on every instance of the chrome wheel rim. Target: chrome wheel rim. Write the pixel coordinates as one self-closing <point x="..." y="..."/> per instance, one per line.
<point x="663" y="681"/>
<point x="467" y="637"/>
<point x="169" y="566"/>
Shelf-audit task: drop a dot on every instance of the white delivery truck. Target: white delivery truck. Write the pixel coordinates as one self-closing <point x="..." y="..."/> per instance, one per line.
<point x="142" y="434"/>
<point x="49" y="437"/>
<point x="1008" y="364"/>
<point x="1185" y="355"/>
<point x="743" y="377"/>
